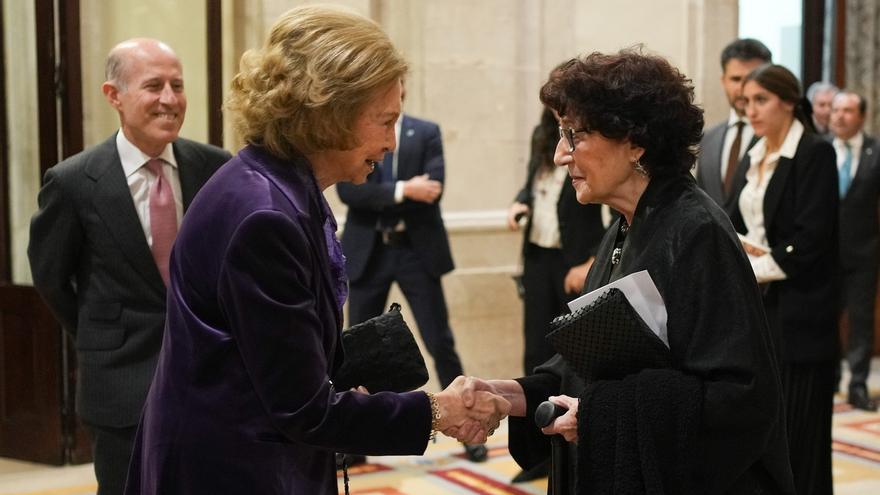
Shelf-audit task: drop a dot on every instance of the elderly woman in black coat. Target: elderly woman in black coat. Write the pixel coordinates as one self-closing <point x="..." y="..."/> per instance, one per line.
<point x="712" y="422"/>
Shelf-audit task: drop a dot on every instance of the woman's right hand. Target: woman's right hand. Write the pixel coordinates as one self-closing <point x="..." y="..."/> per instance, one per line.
<point x="471" y="421"/>
<point x="753" y="250"/>
<point x="515" y="213"/>
<point x="567" y="424"/>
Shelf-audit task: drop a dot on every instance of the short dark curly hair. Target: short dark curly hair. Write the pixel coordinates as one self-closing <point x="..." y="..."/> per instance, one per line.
<point x="634" y="96"/>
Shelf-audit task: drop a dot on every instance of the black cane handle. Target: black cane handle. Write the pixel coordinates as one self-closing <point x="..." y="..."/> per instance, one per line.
<point x="547" y="412"/>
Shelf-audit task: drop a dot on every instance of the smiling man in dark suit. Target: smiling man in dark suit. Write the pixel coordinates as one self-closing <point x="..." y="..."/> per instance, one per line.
<point x="724" y="145"/>
<point x="859" y="183"/>
<point x="394" y="232"/>
<point x="100" y="242"/>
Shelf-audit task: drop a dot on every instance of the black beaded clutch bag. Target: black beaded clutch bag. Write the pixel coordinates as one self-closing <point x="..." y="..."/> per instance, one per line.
<point x="382" y="355"/>
<point x="607" y="339"/>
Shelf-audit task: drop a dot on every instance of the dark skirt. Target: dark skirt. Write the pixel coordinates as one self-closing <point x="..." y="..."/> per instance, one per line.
<point x="809" y="400"/>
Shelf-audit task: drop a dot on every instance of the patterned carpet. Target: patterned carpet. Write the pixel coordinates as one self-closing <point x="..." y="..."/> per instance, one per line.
<point x="856" y="445"/>
<point x="443" y="470"/>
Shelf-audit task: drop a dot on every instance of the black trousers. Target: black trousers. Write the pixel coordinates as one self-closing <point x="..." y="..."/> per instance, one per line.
<point x="111" y="448"/>
<point x="544" y="273"/>
<point x="368" y="297"/>
<point x="809" y="401"/>
<point x="859" y="293"/>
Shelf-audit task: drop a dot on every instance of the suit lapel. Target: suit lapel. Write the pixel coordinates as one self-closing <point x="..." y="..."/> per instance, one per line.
<point x="867" y="162"/>
<point x="712" y="174"/>
<point x="190" y="169"/>
<point x="404" y="154"/>
<point x="297" y="184"/>
<point x="773" y="195"/>
<point x="113" y="204"/>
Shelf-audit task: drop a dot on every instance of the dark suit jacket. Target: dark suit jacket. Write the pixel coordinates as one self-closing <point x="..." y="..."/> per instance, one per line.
<point x="859" y="223"/>
<point x="242" y="401"/>
<point x="709" y="169"/>
<point x="91" y="263"/>
<point x="420" y="152"/>
<point x="801" y="219"/>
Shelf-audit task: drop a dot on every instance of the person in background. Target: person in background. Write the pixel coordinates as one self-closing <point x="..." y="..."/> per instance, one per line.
<point x="858" y="171"/>
<point x="559" y="240"/>
<point x="713" y="421"/>
<point x="243" y="399"/>
<point x="100" y="241"/>
<point x="394" y="232"/>
<point x="723" y="146"/>
<point x="559" y="245"/>
<point x="820" y="94"/>
<point x="788" y="218"/>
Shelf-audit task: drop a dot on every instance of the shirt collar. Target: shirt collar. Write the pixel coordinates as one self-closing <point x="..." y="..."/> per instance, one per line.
<point x="789" y="145"/>
<point x="734" y="117"/>
<point x="855" y="142"/>
<point x="133" y="158"/>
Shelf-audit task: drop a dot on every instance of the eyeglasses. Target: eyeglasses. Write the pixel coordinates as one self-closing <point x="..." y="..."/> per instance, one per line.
<point x="567" y="133"/>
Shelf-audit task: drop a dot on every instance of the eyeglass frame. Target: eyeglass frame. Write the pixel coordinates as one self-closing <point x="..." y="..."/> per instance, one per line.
<point x="567" y="133"/>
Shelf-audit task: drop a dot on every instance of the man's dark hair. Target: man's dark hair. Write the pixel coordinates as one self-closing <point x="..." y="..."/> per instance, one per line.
<point x="863" y="103"/>
<point x="745" y="49"/>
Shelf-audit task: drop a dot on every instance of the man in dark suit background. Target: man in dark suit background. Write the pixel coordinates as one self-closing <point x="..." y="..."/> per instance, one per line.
<point x="724" y="145"/>
<point x="100" y="241"/>
<point x="859" y="185"/>
<point x="394" y="232"/>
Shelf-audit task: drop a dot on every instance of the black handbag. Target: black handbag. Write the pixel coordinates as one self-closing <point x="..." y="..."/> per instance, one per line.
<point x="382" y="355"/>
<point x="607" y="339"/>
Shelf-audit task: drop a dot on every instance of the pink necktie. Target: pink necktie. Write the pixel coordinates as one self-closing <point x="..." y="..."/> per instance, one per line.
<point x="163" y="217"/>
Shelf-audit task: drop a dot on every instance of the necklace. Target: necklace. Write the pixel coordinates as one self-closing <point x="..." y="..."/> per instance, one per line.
<point x="618" y="242"/>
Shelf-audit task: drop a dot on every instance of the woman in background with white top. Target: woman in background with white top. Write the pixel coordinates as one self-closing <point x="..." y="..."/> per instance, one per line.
<point x="788" y="216"/>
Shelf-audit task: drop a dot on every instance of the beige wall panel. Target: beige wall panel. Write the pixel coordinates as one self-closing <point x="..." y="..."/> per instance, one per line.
<point x="24" y="153"/>
<point x="720" y="27"/>
<point x="180" y="24"/>
<point x="476" y="69"/>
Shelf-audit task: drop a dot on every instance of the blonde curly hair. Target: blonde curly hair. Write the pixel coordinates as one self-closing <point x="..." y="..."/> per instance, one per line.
<point x="304" y="89"/>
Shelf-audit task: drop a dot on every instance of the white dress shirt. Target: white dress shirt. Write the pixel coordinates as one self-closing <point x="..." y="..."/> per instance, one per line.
<point x="546" y="189"/>
<point x="751" y="199"/>
<point x="140" y="179"/>
<point x="398" y="184"/>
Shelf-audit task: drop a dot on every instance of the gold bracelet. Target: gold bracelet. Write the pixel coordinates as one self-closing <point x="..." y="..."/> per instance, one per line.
<point x="435" y="416"/>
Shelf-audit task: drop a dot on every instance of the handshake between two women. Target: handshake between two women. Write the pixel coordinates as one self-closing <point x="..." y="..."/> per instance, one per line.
<point x="469" y="415"/>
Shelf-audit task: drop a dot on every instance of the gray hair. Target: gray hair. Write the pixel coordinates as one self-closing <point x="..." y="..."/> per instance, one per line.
<point x="115" y="70"/>
<point x="820" y="87"/>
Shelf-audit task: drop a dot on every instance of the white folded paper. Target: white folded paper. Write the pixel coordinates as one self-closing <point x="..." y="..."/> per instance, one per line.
<point x="642" y="295"/>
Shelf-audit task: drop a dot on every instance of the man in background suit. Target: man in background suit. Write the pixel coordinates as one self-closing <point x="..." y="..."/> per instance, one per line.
<point x="394" y="232"/>
<point x="859" y="184"/>
<point x="724" y="145"/>
<point x="820" y="94"/>
<point x="100" y="242"/>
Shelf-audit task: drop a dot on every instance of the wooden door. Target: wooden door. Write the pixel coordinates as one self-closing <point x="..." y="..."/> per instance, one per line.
<point x="37" y="373"/>
<point x="31" y="379"/>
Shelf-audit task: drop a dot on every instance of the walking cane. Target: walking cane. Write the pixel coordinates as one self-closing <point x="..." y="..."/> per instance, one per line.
<point x="544" y="415"/>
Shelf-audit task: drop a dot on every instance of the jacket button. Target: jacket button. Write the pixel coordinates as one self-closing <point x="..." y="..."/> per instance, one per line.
<point x="789" y="249"/>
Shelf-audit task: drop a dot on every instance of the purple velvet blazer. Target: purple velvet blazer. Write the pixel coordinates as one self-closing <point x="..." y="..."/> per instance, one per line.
<point x="242" y="400"/>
